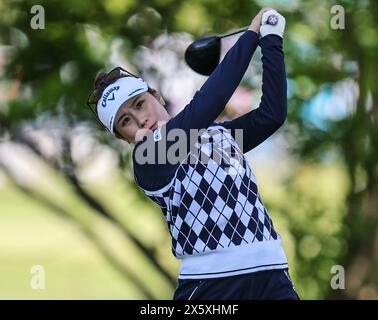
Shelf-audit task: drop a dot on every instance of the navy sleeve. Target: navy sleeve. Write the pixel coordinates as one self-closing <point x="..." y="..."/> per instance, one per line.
<point x="207" y="104"/>
<point x="210" y="100"/>
<point x="262" y="122"/>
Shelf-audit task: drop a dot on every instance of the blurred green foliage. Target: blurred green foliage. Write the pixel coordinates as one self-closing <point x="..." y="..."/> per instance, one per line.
<point x="325" y="208"/>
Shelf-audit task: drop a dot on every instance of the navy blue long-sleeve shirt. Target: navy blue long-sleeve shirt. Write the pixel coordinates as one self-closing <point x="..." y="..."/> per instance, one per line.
<point x="215" y="215"/>
<point x="210" y="100"/>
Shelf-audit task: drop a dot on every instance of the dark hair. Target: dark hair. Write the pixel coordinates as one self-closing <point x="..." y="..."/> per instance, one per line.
<point x="116" y="133"/>
<point x="99" y="77"/>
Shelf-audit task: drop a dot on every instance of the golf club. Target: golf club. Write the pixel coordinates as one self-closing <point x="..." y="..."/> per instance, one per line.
<point x="203" y="54"/>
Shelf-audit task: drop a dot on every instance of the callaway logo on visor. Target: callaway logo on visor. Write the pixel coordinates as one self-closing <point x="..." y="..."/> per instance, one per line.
<point x="106" y="96"/>
<point x="109" y="95"/>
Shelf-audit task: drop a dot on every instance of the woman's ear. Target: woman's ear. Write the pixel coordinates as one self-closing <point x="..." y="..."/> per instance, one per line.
<point x="161" y="100"/>
<point x="158" y="96"/>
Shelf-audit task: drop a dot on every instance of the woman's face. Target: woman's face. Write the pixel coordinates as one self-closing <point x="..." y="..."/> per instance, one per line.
<point x="143" y="112"/>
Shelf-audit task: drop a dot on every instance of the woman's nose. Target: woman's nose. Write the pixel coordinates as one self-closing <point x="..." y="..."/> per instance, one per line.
<point x="143" y="123"/>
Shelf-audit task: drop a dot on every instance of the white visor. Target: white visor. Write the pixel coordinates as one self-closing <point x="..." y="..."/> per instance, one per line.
<point x="115" y="95"/>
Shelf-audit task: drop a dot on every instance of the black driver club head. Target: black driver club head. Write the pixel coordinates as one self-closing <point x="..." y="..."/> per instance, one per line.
<point x="203" y="54"/>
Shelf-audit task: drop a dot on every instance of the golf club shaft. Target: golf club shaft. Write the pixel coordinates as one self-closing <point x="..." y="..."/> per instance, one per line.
<point x="233" y="32"/>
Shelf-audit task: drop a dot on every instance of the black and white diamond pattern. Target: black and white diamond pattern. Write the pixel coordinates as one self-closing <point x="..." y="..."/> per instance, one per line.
<point x="214" y="205"/>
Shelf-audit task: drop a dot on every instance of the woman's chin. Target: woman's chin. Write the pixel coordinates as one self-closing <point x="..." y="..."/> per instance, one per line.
<point x="141" y="133"/>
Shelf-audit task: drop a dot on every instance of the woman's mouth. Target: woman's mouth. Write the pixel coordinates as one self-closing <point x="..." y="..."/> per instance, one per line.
<point x="153" y="127"/>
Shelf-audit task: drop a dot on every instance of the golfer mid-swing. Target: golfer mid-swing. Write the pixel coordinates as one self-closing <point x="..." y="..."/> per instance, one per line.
<point x="220" y="228"/>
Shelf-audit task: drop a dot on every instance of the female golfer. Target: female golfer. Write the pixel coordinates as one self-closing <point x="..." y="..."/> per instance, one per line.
<point x="219" y="225"/>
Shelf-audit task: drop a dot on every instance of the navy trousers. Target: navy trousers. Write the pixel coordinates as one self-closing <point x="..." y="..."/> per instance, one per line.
<point x="262" y="285"/>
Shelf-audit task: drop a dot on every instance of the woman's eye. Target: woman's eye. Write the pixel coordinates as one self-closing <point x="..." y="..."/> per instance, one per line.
<point x="139" y="104"/>
<point x="125" y="121"/>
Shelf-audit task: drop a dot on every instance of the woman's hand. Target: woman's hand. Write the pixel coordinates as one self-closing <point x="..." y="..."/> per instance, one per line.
<point x="272" y="23"/>
<point x="256" y="22"/>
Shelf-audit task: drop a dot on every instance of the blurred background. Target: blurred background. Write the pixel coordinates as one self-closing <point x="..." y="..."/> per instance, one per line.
<point x="68" y="203"/>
